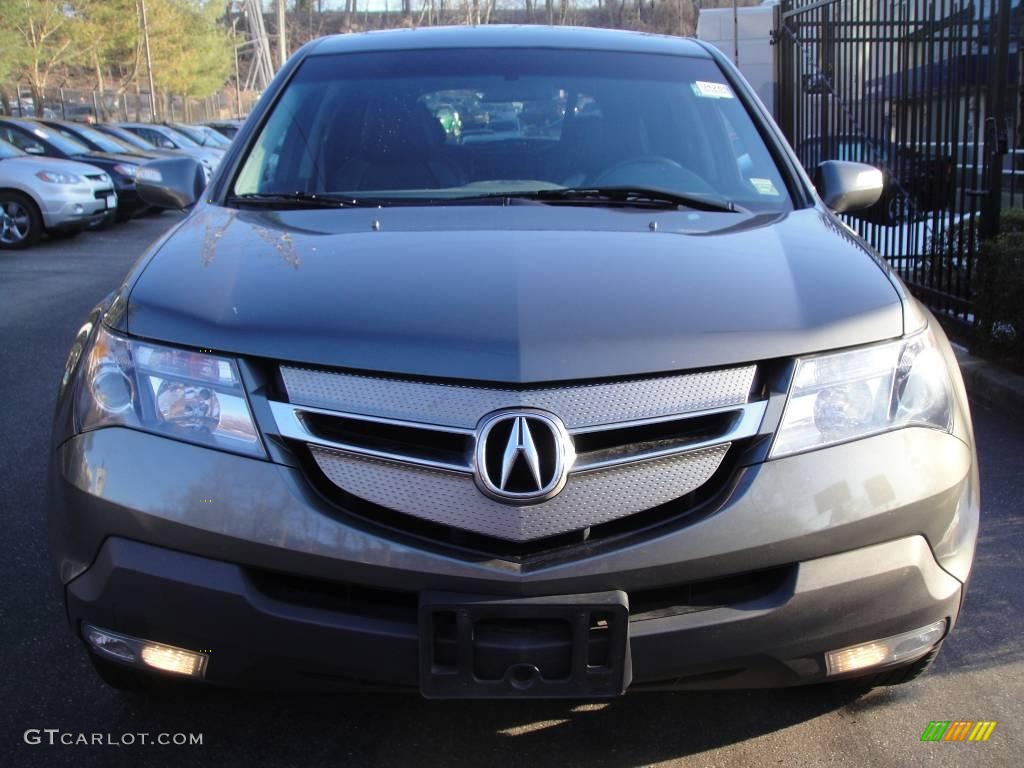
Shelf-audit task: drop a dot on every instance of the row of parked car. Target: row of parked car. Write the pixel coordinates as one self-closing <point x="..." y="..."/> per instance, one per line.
<point x="60" y="177"/>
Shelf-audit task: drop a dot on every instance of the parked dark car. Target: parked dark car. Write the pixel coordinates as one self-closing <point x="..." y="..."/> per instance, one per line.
<point x="36" y="138"/>
<point x="135" y="140"/>
<point x="617" y="407"/>
<point x="916" y="181"/>
<point x="167" y="138"/>
<point x="98" y="141"/>
<point x="202" y="135"/>
<point x="227" y="128"/>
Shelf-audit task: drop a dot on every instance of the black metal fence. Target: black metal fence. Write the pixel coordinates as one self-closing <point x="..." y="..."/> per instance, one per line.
<point x="73" y="104"/>
<point x="928" y="90"/>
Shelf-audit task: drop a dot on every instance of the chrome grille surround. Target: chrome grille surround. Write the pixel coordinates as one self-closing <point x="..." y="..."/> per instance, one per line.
<point x="452" y="498"/>
<point x="601" y="486"/>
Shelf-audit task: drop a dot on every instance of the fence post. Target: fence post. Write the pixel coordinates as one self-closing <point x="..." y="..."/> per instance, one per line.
<point x="785" y="72"/>
<point x="996" y="136"/>
<point x="63" y="111"/>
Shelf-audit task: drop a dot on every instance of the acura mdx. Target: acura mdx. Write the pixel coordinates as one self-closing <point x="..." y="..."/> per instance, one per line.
<point x="607" y="397"/>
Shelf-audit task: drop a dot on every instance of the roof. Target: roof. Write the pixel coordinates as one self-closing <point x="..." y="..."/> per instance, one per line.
<point x="509" y="36"/>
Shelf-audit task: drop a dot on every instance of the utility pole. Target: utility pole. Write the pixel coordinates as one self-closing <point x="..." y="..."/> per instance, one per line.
<point x="282" y="36"/>
<point x="735" y="33"/>
<point x="149" y="59"/>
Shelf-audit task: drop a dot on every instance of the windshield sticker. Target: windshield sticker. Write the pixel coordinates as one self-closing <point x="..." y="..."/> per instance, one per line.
<point x="712" y="90"/>
<point x="764" y="187"/>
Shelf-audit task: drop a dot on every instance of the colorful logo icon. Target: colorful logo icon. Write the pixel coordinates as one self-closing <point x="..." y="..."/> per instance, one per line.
<point x="958" y="730"/>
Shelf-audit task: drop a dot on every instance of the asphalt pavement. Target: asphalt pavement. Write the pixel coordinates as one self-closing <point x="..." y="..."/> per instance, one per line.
<point x="47" y="683"/>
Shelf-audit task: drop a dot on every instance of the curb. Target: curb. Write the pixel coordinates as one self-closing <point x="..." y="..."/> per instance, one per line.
<point x="991" y="385"/>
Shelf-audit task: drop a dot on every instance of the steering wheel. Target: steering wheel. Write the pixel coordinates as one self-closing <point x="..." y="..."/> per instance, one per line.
<point x="656" y="162"/>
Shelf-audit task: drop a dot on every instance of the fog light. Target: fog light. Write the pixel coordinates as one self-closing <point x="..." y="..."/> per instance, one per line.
<point x="145" y="653"/>
<point x="887" y="651"/>
<point x="175" y="660"/>
<point x="79" y="208"/>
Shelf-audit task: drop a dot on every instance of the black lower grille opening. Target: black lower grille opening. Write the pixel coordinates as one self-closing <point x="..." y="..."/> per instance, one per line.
<point x="403" y="605"/>
<point x="338" y="597"/>
<point x="705" y="595"/>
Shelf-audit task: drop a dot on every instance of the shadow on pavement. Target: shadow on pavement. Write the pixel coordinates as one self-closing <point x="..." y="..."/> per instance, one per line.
<point x="398" y="729"/>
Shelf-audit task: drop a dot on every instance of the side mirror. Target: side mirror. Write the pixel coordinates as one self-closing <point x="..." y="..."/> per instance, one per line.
<point x="176" y="182"/>
<point x="846" y="186"/>
<point x="34" y="149"/>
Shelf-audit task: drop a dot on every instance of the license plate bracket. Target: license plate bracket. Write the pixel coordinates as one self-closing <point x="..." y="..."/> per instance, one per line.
<point x="560" y="646"/>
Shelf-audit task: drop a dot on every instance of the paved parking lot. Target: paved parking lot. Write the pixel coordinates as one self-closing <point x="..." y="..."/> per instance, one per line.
<point x="46" y="682"/>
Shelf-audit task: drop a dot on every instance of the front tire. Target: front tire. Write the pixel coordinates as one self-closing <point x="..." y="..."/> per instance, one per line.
<point x="21" y="224"/>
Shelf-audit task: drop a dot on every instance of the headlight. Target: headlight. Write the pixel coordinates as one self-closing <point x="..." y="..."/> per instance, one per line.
<point x="55" y="177"/>
<point x="844" y="396"/>
<point x="186" y="395"/>
<point x="127" y="169"/>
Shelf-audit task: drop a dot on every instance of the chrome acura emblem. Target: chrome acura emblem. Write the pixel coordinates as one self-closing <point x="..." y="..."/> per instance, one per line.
<point x="522" y="456"/>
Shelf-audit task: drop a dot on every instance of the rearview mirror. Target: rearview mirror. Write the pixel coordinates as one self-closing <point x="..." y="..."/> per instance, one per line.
<point x="176" y="183"/>
<point x="846" y="186"/>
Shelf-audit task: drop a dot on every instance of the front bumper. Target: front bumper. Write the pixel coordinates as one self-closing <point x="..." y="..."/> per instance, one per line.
<point x="866" y="537"/>
<point x="74" y="209"/>
<point x="256" y="639"/>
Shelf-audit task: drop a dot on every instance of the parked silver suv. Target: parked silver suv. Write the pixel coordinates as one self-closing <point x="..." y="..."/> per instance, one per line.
<point x="45" y="194"/>
<point x="612" y="400"/>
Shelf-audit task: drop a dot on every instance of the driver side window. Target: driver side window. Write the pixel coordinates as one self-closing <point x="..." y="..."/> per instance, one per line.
<point x="21" y="141"/>
<point x="156" y="138"/>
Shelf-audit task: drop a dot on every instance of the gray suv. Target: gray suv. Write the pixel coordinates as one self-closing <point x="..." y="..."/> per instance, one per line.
<point x="616" y="404"/>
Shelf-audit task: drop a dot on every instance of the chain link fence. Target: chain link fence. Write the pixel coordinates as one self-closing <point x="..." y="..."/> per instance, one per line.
<point x="96" y="106"/>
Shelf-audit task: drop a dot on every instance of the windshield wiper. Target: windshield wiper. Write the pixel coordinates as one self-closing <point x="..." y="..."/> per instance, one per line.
<point x="629" y="196"/>
<point x="301" y="200"/>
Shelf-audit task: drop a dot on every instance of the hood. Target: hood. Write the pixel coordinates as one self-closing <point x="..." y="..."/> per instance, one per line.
<point x="28" y="164"/>
<point x="517" y="294"/>
<point x="110" y="157"/>
<point x="202" y="154"/>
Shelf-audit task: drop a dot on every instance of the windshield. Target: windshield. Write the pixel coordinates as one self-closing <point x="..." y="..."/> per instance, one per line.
<point x="105" y="142"/>
<point x="210" y="137"/>
<point x="192" y="133"/>
<point x="9" y="150"/>
<point x="180" y="138"/>
<point x="128" y="137"/>
<point x="464" y="123"/>
<point x="65" y="144"/>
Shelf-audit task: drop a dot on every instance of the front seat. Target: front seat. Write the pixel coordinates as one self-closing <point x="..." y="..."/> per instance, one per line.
<point x="399" y="148"/>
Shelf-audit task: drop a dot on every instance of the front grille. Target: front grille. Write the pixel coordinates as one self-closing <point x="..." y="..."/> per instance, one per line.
<point x="579" y="405"/>
<point x="399" y="450"/>
<point x="452" y="498"/>
<point x="100" y="194"/>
